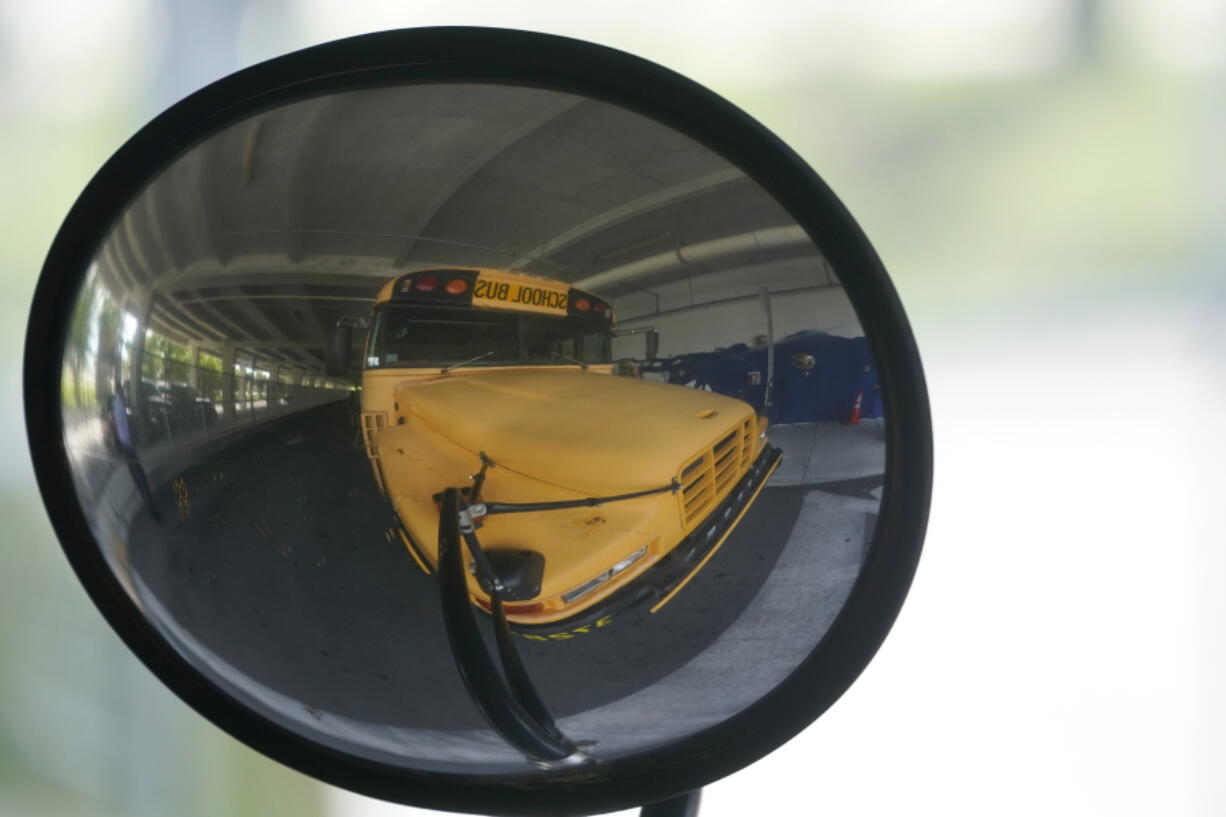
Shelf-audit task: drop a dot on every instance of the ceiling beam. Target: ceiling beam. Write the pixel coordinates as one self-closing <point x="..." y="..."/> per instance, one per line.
<point x="123" y="262"/>
<point x="231" y="332"/>
<point x="359" y="279"/>
<point x="283" y="345"/>
<point x="498" y="146"/>
<point x="208" y="186"/>
<point x="256" y="316"/>
<point x="288" y="296"/>
<point x="170" y="314"/>
<point x="165" y="221"/>
<point x="765" y="243"/>
<point x="656" y="200"/>
<point x="306" y="156"/>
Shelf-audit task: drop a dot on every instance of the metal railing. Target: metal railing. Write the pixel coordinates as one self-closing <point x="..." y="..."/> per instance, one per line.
<point x="176" y="402"/>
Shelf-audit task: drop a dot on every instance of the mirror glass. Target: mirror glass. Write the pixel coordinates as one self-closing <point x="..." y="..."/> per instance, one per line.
<point x="637" y="382"/>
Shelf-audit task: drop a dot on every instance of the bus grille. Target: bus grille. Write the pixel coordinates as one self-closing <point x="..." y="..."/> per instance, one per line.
<point x="372" y="422"/>
<point x="708" y="477"/>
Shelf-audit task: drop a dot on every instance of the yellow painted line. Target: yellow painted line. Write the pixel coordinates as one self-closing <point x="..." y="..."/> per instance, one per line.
<point x="718" y="544"/>
<point x="412" y="551"/>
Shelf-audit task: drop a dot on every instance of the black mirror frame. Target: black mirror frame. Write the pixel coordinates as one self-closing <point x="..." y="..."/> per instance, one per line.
<point x="432" y="55"/>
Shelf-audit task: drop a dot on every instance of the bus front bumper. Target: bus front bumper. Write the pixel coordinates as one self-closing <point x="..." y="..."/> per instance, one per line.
<point x="656" y="587"/>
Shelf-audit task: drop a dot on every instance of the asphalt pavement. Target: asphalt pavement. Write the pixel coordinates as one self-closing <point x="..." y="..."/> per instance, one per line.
<point x="279" y="555"/>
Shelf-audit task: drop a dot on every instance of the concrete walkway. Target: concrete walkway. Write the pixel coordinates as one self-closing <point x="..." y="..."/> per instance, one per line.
<point x="823" y="452"/>
<point x="105" y="486"/>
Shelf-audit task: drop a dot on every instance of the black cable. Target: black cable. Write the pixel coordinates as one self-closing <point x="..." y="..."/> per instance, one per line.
<point x="490" y="692"/>
<point x="520" y="683"/>
<point x="590" y="502"/>
<point x="517" y="676"/>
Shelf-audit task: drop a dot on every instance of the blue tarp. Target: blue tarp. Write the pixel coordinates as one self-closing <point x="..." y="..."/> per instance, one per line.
<point x="842" y="368"/>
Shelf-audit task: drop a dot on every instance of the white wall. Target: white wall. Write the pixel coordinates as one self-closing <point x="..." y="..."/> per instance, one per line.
<point x="697" y="316"/>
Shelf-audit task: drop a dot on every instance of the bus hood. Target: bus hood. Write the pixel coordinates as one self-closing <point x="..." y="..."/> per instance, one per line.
<point x="597" y="434"/>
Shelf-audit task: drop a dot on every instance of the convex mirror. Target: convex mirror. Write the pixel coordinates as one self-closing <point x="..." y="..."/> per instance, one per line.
<point x="480" y="420"/>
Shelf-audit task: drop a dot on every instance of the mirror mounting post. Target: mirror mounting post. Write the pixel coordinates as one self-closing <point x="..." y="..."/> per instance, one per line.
<point x="651" y="338"/>
<point x="479" y="478"/>
<point x="683" y="805"/>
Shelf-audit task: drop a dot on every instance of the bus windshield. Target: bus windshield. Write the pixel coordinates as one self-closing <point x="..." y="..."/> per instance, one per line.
<point x="406" y="336"/>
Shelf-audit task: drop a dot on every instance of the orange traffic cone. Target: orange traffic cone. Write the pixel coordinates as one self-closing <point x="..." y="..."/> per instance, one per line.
<point x="853" y="419"/>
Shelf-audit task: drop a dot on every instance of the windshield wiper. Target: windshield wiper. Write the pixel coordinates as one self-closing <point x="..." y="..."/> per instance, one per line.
<point x="447" y="369"/>
<point x="571" y="359"/>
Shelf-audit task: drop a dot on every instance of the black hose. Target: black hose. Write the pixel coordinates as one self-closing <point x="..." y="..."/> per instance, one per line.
<point x="589" y="502"/>
<point x="515" y="719"/>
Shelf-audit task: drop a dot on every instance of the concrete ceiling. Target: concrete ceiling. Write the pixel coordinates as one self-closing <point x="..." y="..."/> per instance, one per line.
<point x="266" y="233"/>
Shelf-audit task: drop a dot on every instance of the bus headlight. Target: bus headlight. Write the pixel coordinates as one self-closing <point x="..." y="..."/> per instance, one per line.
<point x="590" y="585"/>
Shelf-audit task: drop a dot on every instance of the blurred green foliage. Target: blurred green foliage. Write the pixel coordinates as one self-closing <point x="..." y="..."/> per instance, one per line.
<point x="1070" y="183"/>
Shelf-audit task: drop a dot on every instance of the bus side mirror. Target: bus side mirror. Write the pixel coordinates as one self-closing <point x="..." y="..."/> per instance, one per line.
<point x="653" y="344"/>
<point x="306" y="573"/>
<point x="336" y="359"/>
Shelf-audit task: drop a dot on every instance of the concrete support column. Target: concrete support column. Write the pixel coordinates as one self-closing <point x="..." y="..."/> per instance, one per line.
<point x="136" y="352"/>
<point x="107" y="372"/>
<point x="193" y="373"/>
<point x="276" y="388"/>
<point x="228" y="359"/>
<point x="295" y="381"/>
<point x="253" y="384"/>
<point x="245" y="379"/>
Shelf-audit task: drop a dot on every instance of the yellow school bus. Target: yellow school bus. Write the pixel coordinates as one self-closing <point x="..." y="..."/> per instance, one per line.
<point x="502" y="383"/>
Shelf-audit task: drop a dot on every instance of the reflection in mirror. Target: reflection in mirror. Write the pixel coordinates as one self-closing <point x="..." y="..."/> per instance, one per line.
<point x="363" y="375"/>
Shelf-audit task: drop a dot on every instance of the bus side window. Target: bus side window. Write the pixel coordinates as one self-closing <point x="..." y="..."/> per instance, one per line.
<point x="593" y="349"/>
